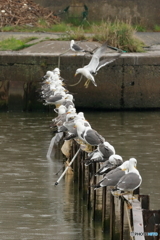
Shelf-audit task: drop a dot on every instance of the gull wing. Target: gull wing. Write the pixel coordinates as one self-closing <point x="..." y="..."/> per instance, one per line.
<point x="93" y="64"/>
<point x="106" y="61"/>
<point x="77" y="48"/>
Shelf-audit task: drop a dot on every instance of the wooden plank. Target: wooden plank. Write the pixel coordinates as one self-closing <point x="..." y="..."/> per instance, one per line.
<point x="138" y="227"/>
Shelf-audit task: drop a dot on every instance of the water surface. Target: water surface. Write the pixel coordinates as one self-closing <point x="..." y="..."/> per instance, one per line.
<point x="31" y="206"/>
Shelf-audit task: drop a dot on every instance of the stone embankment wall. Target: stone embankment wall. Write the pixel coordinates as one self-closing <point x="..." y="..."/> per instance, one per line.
<point x="131" y="82"/>
<point x="144" y="12"/>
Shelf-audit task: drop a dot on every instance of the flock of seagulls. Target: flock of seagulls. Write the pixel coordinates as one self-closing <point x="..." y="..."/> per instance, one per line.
<point x="114" y="172"/>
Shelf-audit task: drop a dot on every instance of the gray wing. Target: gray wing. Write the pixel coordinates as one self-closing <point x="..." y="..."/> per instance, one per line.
<point x="93" y="138"/>
<point x="57" y="97"/>
<point x="107" y="152"/>
<point x="129" y="182"/>
<point x="113" y="178"/>
<point x="106" y="168"/>
<point x="77" y="48"/>
<point x="93" y="64"/>
<point x="106" y="61"/>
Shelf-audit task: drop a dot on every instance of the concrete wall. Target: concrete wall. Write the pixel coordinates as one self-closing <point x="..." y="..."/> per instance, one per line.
<point x="131" y="82"/>
<point x="143" y="12"/>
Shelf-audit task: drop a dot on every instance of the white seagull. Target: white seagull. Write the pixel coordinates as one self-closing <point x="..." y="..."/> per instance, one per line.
<point x="112" y="177"/>
<point x="74" y="47"/>
<point x="132" y="180"/>
<point x="95" y="64"/>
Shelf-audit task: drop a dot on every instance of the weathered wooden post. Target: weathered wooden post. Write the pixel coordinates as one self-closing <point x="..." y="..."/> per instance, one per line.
<point x="112" y="217"/>
<point x="104" y="190"/>
<point x="157" y="230"/>
<point x="144" y="201"/>
<point x="121" y="217"/>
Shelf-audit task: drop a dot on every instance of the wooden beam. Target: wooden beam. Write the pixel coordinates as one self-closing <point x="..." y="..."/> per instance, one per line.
<point x="138" y="227"/>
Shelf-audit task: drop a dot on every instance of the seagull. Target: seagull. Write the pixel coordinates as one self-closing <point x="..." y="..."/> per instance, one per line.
<point x="132" y="180"/>
<point x="70" y="125"/>
<point x="87" y="134"/>
<point x="95" y="64"/>
<point x="69" y="101"/>
<point x="74" y="47"/>
<point x="57" y="99"/>
<point x="101" y="154"/>
<point x="114" y="161"/>
<point x="112" y="177"/>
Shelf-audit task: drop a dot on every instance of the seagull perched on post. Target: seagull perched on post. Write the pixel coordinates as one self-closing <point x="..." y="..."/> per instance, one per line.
<point x="132" y="180"/>
<point x="95" y="64"/>
<point x="74" y="47"/>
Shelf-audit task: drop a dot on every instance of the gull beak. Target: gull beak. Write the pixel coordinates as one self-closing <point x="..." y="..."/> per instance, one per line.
<point x="135" y="168"/>
<point x="124" y="169"/>
<point x="68" y="112"/>
<point x="75" y="126"/>
<point x="75" y="74"/>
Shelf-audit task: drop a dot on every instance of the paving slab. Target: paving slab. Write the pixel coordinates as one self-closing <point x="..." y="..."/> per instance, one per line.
<point x="59" y="47"/>
<point x="149" y="38"/>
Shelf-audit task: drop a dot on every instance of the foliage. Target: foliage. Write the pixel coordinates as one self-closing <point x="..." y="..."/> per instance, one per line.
<point x="15" y="44"/>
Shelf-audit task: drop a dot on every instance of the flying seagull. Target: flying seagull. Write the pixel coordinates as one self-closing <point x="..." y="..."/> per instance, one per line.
<point x="95" y="64"/>
<point x="74" y="47"/>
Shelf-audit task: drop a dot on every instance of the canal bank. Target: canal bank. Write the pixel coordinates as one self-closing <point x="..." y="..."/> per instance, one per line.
<point x="131" y="82"/>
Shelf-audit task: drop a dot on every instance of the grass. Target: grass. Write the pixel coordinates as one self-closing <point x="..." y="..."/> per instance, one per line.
<point x="14" y="44"/>
<point x="140" y="28"/>
<point x="118" y="34"/>
<point x="157" y="28"/>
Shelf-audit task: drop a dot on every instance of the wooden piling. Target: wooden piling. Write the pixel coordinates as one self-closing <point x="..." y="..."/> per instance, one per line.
<point x="104" y="190"/>
<point x="144" y="201"/>
<point x="121" y="218"/>
<point x="112" y="217"/>
<point x="157" y="230"/>
<point x="140" y="218"/>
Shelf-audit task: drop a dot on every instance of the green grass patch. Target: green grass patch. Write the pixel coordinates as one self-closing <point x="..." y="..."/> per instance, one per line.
<point x="157" y="28"/>
<point x="118" y="34"/>
<point x="140" y="28"/>
<point x="14" y="44"/>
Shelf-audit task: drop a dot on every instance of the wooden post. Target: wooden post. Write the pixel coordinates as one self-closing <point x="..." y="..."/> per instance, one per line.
<point x="104" y="190"/>
<point x="157" y="230"/>
<point x="112" y="217"/>
<point x="121" y="218"/>
<point x="150" y="218"/>
<point x="144" y="201"/>
<point x="94" y="192"/>
<point x="89" y="188"/>
<point x="79" y="171"/>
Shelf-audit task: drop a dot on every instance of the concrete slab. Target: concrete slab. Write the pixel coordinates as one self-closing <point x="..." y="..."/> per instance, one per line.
<point x="149" y="38"/>
<point x="59" y="47"/>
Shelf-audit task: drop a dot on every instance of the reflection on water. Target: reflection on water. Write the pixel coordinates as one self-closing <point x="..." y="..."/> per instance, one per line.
<point x="31" y="206"/>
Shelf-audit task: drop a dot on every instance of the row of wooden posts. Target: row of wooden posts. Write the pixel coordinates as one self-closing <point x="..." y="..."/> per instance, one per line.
<point x="123" y="222"/>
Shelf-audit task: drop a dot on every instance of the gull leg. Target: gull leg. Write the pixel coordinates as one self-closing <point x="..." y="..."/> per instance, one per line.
<point x="87" y="83"/>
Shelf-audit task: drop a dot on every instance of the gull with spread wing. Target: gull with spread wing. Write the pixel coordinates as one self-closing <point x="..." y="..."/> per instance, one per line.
<point x="95" y="64"/>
